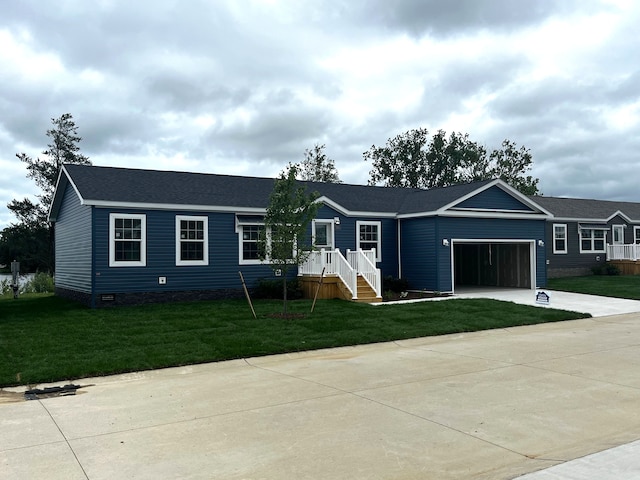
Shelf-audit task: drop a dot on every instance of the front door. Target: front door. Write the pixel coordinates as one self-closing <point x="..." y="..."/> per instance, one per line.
<point x="618" y="234"/>
<point x="323" y="234"/>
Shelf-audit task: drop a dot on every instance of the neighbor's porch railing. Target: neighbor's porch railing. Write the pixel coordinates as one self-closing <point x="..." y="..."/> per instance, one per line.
<point x="360" y="262"/>
<point x="623" y="252"/>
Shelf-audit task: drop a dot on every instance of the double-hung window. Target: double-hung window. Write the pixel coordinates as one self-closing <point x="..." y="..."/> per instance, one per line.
<point x="192" y="240"/>
<point x="636" y="235"/>
<point x="559" y="238"/>
<point x="592" y="240"/>
<point x="368" y="236"/>
<point x="249" y="243"/>
<point x="127" y="240"/>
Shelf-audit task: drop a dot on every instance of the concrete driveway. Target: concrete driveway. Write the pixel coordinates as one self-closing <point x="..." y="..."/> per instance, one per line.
<point x="595" y="305"/>
<point x="484" y="405"/>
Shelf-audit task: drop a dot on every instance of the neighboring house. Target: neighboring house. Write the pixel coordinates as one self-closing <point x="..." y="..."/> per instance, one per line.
<point x="585" y="233"/>
<point x="127" y="236"/>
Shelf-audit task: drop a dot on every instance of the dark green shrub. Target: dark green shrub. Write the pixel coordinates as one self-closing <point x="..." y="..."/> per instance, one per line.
<point x="612" y="269"/>
<point x="396" y="285"/>
<point x="272" y="289"/>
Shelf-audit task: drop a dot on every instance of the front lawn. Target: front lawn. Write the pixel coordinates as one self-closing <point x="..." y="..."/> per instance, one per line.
<point x="619" y="286"/>
<point x="44" y="338"/>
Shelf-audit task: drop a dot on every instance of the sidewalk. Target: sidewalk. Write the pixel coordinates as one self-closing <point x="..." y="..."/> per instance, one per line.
<point x="486" y="405"/>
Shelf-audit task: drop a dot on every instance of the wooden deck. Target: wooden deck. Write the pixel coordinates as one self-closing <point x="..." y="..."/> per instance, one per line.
<point x="332" y="287"/>
<point x="627" y="267"/>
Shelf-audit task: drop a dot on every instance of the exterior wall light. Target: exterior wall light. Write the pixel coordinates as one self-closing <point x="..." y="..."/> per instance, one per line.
<point x="541" y="243"/>
<point x="445" y="242"/>
<point x="336" y="220"/>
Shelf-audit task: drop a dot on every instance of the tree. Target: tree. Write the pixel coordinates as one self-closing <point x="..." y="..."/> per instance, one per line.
<point x="413" y="159"/>
<point x="317" y="167"/>
<point x="32" y="217"/>
<point x="283" y="242"/>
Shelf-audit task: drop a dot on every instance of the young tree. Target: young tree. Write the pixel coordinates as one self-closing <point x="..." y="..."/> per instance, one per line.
<point x="284" y="241"/>
<point x="412" y="159"/>
<point x="317" y="167"/>
<point x="63" y="148"/>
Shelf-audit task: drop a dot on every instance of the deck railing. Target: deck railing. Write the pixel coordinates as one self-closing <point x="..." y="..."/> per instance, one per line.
<point x="358" y="262"/>
<point x="623" y="252"/>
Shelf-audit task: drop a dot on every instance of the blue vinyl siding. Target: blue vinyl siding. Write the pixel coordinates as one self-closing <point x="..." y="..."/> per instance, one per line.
<point x="494" y="198"/>
<point x="221" y="273"/>
<point x="73" y="244"/>
<point x="419" y="262"/>
<point x="345" y="237"/>
<point x="426" y="263"/>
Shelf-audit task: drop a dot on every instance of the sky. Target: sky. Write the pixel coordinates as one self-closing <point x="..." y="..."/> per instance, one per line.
<point x="243" y="87"/>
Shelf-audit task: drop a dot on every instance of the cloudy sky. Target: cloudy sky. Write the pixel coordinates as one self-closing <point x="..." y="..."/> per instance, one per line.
<point x="244" y="87"/>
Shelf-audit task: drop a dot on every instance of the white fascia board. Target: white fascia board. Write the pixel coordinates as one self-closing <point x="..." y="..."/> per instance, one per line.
<point x="477" y="214"/>
<point x="506" y="188"/>
<point x="67" y="178"/>
<point x="623" y="215"/>
<point x="170" y="206"/>
<point x="590" y="220"/>
<point x="340" y="209"/>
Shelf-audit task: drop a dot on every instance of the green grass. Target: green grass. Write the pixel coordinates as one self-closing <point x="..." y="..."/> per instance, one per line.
<point x="44" y="338"/>
<point x="618" y="286"/>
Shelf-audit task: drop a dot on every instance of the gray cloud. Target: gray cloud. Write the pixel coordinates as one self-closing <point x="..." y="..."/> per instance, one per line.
<point x="246" y="87"/>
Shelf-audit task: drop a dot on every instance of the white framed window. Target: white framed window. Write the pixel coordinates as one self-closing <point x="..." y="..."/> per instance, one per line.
<point x="617" y="232"/>
<point x="127" y="240"/>
<point x="192" y="240"/>
<point x="248" y="236"/>
<point x="559" y="238"/>
<point x="592" y="240"/>
<point x="636" y="235"/>
<point x="323" y="235"/>
<point x="368" y="236"/>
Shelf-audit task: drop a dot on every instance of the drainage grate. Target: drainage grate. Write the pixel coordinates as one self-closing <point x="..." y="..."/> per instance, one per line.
<point x="48" y="392"/>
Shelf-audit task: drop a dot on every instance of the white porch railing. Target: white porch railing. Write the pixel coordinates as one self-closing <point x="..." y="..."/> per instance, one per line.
<point x="364" y="262"/>
<point x="623" y="252"/>
<point x="360" y="262"/>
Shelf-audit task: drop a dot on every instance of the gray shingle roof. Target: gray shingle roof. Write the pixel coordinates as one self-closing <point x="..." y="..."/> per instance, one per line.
<point x="134" y="186"/>
<point x="587" y="209"/>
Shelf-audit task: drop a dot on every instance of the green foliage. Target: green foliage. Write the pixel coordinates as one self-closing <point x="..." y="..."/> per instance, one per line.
<point x="413" y="159"/>
<point x="284" y="243"/>
<point x="606" y="269"/>
<point x="41" y="282"/>
<point x="317" y="167"/>
<point x="28" y="244"/>
<point x="29" y="240"/>
<point x="272" y="289"/>
<point x="45" y="338"/>
<point x="394" y="285"/>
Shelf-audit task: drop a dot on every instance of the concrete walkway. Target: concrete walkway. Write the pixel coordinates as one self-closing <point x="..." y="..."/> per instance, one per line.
<point x="485" y="405"/>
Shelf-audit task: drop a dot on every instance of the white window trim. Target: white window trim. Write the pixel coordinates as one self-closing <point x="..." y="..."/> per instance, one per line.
<point x="379" y="247"/>
<point x="604" y="241"/>
<point x="143" y="240"/>
<point x="205" y="247"/>
<point x="566" y="238"/>
<point x="332" y="238"/>
<point x="240" y="230"/>
<point x="636" y="238"/>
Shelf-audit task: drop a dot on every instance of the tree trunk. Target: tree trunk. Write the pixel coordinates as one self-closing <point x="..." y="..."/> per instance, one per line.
<point x="284" y="295"/>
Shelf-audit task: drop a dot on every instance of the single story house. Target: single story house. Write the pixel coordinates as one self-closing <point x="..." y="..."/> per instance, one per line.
<point x="125" y="236"/>
<point x="585" y="233"/>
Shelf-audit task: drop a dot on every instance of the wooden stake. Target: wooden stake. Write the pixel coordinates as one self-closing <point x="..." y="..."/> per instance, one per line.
<point x="246" y="292"/>
<point x="315" y="297"/>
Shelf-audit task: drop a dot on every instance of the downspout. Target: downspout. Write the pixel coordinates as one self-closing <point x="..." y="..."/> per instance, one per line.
<point x="93" y="258"/>
<point x="435" y="244"/>
<point x="399" y="251"/>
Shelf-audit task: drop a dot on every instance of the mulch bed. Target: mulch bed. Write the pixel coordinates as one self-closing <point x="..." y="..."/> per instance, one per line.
<point x="411" y="295"/>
